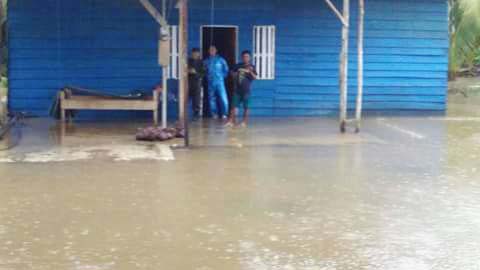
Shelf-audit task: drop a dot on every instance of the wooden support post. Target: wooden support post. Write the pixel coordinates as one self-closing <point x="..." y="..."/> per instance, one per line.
<point x="361" y="22"/>
<point x="335" y="10"/>
<point x="161" y="20"/>
<point x="183" y="41"/>
<point x="344" y="67"/>
<point x="154" y="12"/>
<point x="156" y="97"/>
<point x="164" y="97"/>
<point x="63" y="113"/>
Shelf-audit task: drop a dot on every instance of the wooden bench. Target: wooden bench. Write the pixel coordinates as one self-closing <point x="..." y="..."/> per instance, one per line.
<point x="75" y="102"/>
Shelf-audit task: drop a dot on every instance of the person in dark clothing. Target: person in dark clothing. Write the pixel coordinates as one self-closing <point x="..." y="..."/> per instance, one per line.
<point x="196" y="72"/>
<point x="244" y="74"/>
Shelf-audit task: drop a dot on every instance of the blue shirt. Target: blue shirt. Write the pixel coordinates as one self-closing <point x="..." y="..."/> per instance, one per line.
<point x="217" y="68"/>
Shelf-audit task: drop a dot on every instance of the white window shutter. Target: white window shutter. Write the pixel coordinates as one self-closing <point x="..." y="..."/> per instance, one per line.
<point x="173" y="69"/>
<point x="264" y="51"/>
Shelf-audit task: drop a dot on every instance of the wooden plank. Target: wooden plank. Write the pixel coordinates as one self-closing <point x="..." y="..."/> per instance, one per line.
<point x="155" y="106"/>
<point x="103" y="104"/>
<point x="164" y="98"/>
<point x="154" y="12"/>
<point x="93" y="98"/>
<point x="62" y="107"/>
<point x="341" y="17"/>
<point x="344" y="67"/>
<point x="361" y="18"/>
<point x="183" y="80"/>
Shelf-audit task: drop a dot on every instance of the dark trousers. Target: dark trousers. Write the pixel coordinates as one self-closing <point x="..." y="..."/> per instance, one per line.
<point x="195" y="91"/>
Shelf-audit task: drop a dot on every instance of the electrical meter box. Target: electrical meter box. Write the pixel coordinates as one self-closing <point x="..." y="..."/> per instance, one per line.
<point x="164" y="53"/>
<point x="164" y="47"/>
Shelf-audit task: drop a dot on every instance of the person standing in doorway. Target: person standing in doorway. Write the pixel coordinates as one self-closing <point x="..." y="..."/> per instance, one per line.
<point x="196" y="72"/>
<point x="244" y="74"/>
<point x="217" y="71"/>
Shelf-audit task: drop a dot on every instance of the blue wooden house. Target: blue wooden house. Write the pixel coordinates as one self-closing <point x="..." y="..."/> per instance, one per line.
<point x="112" y="45"/>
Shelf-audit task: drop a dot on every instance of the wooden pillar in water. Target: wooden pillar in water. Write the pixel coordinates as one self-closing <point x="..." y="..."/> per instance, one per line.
<point x="183" y="85"/>
<point x="344" y="67"/>
<point x="164" y="97"/>
<point x="361" y="22"/>
<point x="165" y="78"/>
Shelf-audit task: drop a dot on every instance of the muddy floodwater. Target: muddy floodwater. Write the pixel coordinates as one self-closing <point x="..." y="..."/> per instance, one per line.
<point x="284" y="194"/>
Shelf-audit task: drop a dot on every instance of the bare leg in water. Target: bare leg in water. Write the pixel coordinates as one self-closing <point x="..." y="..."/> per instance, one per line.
<point x="232" y="121"/>
<point x="246" y="115"/>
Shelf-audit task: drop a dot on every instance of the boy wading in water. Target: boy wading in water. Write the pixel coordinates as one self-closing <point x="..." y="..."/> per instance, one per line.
<point x="244" y="74"/>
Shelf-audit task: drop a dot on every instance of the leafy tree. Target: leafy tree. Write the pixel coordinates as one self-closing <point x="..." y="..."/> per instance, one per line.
<point x="464" y="35"/>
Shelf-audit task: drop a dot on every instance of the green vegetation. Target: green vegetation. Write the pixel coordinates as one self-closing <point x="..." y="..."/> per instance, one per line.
<point x="464" y="35"/>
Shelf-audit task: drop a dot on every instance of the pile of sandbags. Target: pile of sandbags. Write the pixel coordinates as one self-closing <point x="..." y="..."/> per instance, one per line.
<point x="158" y="134"/>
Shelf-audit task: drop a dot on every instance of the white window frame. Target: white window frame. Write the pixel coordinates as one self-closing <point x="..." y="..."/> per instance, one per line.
<point x="174" y="67"/>
<point x="264" y="38"/>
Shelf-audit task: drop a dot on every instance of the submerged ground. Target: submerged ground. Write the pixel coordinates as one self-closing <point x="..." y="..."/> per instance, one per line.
<point x="284" y="194"/>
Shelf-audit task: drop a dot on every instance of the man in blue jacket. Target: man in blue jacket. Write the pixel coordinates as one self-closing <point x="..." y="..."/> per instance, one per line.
<point x="217" y="71"/>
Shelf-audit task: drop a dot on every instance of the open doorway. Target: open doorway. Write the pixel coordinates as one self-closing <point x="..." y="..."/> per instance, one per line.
<point x="225" y="38"/>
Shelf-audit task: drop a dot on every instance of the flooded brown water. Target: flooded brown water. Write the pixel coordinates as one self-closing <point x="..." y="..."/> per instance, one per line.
<point x="283" y="194"/>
